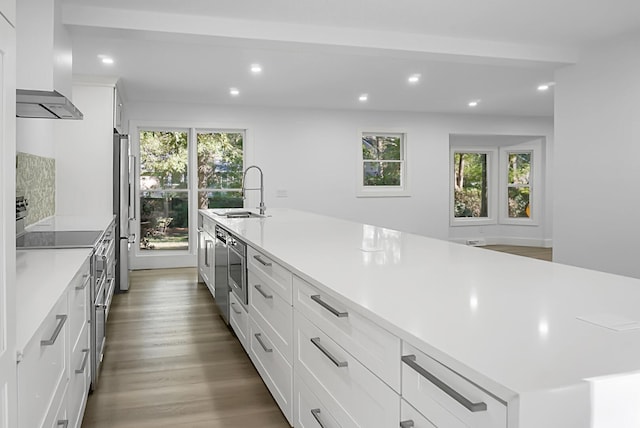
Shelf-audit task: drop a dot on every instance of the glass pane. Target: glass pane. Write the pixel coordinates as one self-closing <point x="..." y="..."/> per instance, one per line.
<point x="471" y="195"/>
<point x="381" y="147"/>
<point x="219" y="199"/>
<point x="519" y="202"/>
<point x="220" y="160"/>
<point x="382" y="174"/>
<point x="163" y="160"/>
<point x="164" y="220"/>
<point x="519" y="168"/>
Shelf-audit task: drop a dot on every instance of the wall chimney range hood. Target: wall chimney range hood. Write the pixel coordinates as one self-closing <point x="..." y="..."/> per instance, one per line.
<point x="45" y="105"/>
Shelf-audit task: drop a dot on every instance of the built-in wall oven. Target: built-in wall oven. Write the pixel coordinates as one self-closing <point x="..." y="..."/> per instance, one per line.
<point x="238" y="268"/>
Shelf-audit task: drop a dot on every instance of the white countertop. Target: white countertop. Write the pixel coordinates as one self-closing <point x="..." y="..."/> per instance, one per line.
<point x="41" y="278"/>
<point x="510" y="323"/>
<point x="72" y="223"/>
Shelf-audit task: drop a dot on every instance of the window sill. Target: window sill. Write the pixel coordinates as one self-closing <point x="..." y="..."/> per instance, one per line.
<point x="470" y="221"/>
<point x="380" y="193"/>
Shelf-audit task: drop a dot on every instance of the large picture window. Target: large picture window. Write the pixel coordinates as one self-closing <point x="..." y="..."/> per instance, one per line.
<point x="383" y="169"/>
<point x="471" y="185"/>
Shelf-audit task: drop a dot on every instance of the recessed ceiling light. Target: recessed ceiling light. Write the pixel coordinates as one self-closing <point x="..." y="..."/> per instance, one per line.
<point x="414" y="78"/>
<point x="105" y="59"/>
<point x="256" y="68"/>
<point x="234" y="92"/>
<point x="474" y="103"/>
<point x="545" y="86"/>
<point x="363" y="97"/>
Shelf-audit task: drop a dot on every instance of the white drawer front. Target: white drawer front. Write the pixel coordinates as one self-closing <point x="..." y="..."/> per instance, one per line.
<point x="239" y="320"/>
<point x="58" y="415"/>
<point x="79" y="289"/>
<point x="372" y="345"/>
<point x="411" y="418"/>
<point x="276" y="372"/>
<point x="43" y="371"/>
<point x="336" y="375"/>
<point x="473" y="408"/>
<point x="273" y="314"/>
<point x="310" y="412"/>
<point x="79" y="379"/>
<point x="271" y="273"/>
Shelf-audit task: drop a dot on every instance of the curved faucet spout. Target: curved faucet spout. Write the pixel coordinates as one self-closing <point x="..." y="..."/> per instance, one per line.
<point x="262" y="207"/>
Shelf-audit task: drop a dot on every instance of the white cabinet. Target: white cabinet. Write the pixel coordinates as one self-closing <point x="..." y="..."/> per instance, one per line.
<point x="359" y="398"/>
<point x="53" y="372"/>
<point x="8" y="10"/>
<point x="444" y="397"/>
<point x="309" y="410"/>
<point x="239" y="320"/>
<point x="273" y="274"/>
<point x="206" y="252"/>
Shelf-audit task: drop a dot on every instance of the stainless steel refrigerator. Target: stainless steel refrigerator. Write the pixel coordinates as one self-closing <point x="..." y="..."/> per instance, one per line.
<point x="124" y="208"/>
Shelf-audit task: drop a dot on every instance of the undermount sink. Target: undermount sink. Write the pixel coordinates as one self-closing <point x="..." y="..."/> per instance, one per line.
<point x="234" y="213"/>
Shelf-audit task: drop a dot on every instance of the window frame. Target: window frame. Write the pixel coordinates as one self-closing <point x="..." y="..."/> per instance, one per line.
<point x="492" y="177"/>
<point x="535" y="148"/>
<point x="372" y="191"/>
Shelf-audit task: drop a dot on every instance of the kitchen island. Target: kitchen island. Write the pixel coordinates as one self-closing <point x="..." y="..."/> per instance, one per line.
<point x="557" y="346"/>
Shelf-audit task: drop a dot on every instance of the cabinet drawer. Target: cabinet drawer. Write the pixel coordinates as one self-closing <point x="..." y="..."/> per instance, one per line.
<point x="79" y="289"/>
<point x="43" y="371"/>
<point x="239" y="320"/>
<point x="273" y="314"/>
<point x="373" y="346"/>
<point x="57" y="417"/>
<point x="309" y="411"/>
<point x="446" y="398"/>
<point x="411" y="418"/>
<point x="336" y="375"/>
<point x="271" y="273"/>
<point x="79" y="379"/>
<point x="273" y="367"/>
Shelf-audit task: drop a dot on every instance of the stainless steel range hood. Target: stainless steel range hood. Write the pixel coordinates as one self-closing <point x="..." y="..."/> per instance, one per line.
<point x="45" y="105"/>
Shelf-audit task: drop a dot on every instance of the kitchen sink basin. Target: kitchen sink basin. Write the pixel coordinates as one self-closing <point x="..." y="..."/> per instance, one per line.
<point x="234" y="213"/>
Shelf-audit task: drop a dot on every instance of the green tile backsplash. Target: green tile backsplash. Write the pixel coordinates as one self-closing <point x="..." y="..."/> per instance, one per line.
<point x="36" y="178"/>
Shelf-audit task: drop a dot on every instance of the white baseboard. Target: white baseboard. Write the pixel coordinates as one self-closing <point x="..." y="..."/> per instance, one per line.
<point x="504" y="240"/>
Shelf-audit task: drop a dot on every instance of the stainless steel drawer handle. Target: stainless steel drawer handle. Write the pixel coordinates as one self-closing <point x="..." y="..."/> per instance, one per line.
<point x="410" y="360"/>
<point x="63" y="423"/>
<point x="334" y="360"/>
<point x="316" y="416"/>
<point x="259" y="339"/>
<point x="261" y="291"/>
<point x="84" y="361"/>
<point x="61" y="320"/>
<point x="233" y="306"/>
<point x="407" y="424"/>
<point x="263" y="262"/>
<point x="84" y="283"/>
<point x="316" y="298"/>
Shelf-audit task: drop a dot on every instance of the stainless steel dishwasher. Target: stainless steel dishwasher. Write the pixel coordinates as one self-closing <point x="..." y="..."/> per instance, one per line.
<point x="221" y="282"/>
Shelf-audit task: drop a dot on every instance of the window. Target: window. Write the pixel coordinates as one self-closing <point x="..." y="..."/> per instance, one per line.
<point x="383" y="170"/>
<point x="495" y="184"/>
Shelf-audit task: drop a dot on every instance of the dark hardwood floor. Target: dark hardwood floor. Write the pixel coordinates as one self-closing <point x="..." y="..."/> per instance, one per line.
<point x="171" y="361"/>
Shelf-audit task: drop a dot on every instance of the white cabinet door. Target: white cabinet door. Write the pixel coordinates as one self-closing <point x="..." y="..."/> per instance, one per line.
<point x="8" y="406"/>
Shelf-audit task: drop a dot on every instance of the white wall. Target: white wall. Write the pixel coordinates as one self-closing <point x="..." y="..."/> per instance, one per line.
<point x="597" y="147"/>
<point x="312" y="154"/>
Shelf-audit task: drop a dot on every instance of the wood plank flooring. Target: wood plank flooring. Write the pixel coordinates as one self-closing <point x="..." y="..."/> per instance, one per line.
<point x="534" y="252"/>
<point x="170" y="361"/>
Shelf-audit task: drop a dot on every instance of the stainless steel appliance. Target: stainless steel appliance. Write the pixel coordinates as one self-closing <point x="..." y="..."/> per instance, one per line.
<point x="221" y="281"/>
<point x="124" y="164"/>
<point x="237" y="263"/>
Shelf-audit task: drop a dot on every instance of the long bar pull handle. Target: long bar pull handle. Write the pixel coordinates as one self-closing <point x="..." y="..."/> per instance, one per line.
<point x="206" y="252"/>
<point x="84" y="361"/>
<point x="64" y="423"/>
<point x="316" y="298"/>
<point x="334" y="360"/>
<point x="84" y="283"/>
<point x="61" y="320"/>
<point x="261" y="291"/>
<point x="410" y="360"/>
<point x="233" y="306"/>
<point x="263" y="262"/>
<point x="407" y="424"/>
<point x="316" y="415"/>
<point x="259" y="339"/>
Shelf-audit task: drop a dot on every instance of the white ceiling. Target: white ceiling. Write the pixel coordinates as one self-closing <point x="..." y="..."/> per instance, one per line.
<point x="325" y="53"/>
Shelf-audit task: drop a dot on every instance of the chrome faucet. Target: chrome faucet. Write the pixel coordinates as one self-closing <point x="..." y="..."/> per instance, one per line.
<point x="261" y="188"/>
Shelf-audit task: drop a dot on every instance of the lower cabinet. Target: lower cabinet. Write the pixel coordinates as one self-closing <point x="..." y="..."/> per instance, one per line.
<point x="239" y="320"/>
<point x="309" y="410"/>
<point x="411" y="418"/>
<point x="273" y="366"/>
<point x="53" y="371"/>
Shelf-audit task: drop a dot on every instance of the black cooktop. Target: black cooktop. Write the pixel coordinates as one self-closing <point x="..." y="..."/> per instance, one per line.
<point x="58" y="239"/>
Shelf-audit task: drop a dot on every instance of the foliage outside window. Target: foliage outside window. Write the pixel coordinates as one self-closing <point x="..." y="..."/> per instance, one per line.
<point x="383" y="163"/>
<point x="471" y="187"/>
<point x="220" y="167"/>
<point x="518" y="184"/>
